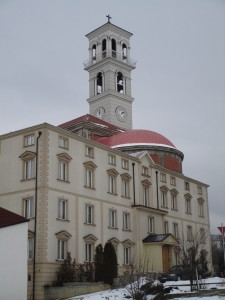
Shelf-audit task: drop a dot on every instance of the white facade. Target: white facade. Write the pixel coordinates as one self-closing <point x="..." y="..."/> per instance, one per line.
<point x="13" y="262"/>
<point x="88" y="193"/>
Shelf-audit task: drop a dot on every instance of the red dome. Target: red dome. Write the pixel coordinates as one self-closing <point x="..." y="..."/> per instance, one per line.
<point x="136" y="137"/>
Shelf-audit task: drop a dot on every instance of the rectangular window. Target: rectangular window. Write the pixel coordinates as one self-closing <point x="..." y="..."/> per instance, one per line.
<point x="89" y="151"/>
<point x="112" y="218"/>
<point x="126" y="221"/>
<point x="126" y="255"/>
<point x="164" y="199"/>
<point x="187" y="186"/>
<point x="199" y="189"/>
<point x="145" y="196"/>
<point x="29" y="140"/>
<point x="202" y="235"/>
<point x="188" y="206"/>
<point x="112" y="159"/>
<point x="125" y="188"/>
<point x="89" y="214"/>
<point x="28" y="208"/>
<point x="89" y="178"/>
<point x="112" y="185"/>
<point x="28" y="169"/>
<point x="63" y="143"/>
<point x="200" y="209"/>
<point x="89" y="252"/>
<point x="144" y="171"/>
<point x="189" y="234"/>
<point x="151" y="225"/>
<point x="30" y="249"/>
<point x="172" y="180"/>
<point x="175" y="230"/>
<point x="163" y="177"/>
<point x="125" y="164"/>
<point x="62" y="209"/>
<point x="166" y="227"/>
<point x="61" y="249"/>
<point x="63" y="171"/>
<point x="173" y="202"/>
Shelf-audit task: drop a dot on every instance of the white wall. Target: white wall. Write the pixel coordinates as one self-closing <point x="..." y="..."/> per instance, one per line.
<point x="13" y="262"/>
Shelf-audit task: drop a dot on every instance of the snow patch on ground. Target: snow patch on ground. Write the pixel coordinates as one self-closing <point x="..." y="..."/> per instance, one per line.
<point x="178" y="287"/>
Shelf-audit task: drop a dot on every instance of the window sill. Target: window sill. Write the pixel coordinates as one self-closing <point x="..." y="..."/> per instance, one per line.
<point x="90" y="156"/>
<point x="174" y="209"/>
<point x="66" y="148"/>
<point x="90" y="188"/>
<point x="127" y="230"/>
<point x="61" y="180"/>
<point x="201" y="217"/>
<point x="63" y="220"/>
<point x="60" y="259"/>
<point x="114" y="194"/>
<point x="90" y="224"/>
<point x="115" y="228"/>
<point x="29" y="179"/>
<point x="126" y="197"/>
<point x="188" y="213"/>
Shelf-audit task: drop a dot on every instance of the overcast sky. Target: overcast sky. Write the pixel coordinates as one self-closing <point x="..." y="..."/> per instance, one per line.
<point x="178" y="84"/>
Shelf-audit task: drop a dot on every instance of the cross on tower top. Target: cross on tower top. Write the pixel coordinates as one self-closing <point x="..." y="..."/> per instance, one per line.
<point x="108" y="16"/>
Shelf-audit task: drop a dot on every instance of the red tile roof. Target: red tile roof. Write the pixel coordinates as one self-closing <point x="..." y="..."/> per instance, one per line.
<point x="136" y="137"/>
<point x="8" y="218"/>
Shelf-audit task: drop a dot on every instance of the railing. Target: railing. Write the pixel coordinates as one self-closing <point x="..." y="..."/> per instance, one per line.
<point x="112" y="54"/>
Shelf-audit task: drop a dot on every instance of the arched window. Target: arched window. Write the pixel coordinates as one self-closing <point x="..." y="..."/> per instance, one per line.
<point x="113" y="48"/>
<point x="94" y="53"/>
<point x="120" y="84"/>
<point x="99" y="83"/>
<point x="104" y="48"/>
<point x="124" y="51"/>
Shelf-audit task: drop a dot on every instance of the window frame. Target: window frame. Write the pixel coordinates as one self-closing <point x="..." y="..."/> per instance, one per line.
<point x="89" y="151"/>
<point x="163" y="177"/>
<point x="188" y="206"/>
<point x="166" y="227"/>
<point x="89" y="252"/>
<point x="112" y="218"/>
<point x="61" y="249"/>
<point x="112" y="159"/>
<point x="29" y="140"/>
<point x="175" y="230"/>
<point x="63" y="142"/>
<point x="173" y="180"/>
<point x="28" y="208"/>
<point x="89" y="214"/>
<point x="201" y="208"/>
<point x="151" y="224"/>
<point x="126" y="221"/>
<point x="62" y="209"/>
<point x="124" y="164"/>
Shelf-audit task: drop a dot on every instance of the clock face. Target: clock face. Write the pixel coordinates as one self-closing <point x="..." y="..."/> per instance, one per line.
<point x="121" y="113"/>
<point x="100" y="112"/>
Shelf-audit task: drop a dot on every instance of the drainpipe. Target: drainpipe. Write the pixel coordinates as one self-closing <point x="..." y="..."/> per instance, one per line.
<point x="157" y="189"/>
<point x="35" y="216"/>
<point x="133" y="164"/>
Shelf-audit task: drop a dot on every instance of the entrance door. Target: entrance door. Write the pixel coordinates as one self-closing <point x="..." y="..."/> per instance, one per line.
<point x="165" y="258"/>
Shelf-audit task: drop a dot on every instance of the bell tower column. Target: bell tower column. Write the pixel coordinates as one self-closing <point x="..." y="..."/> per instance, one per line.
<point x="109" y="66"/>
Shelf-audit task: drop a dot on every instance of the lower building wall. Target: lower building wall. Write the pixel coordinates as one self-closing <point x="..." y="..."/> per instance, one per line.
<point x="45" y="275"/>
<point x="52" y="293"/>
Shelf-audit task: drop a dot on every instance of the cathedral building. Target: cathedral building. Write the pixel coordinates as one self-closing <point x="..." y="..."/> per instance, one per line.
<point x="94" y="179"/>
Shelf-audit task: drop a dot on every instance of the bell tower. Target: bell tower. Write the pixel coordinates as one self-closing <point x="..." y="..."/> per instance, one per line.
<point x="109" y="66"/>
